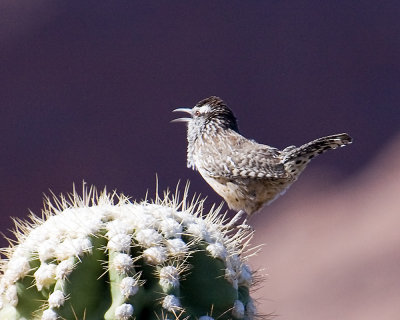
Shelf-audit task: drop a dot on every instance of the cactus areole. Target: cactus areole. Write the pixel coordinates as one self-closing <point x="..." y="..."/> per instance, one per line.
<point x="101" y="256"/>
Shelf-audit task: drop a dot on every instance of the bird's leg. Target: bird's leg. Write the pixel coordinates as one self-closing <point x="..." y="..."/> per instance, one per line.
<point x="234" y="223"/>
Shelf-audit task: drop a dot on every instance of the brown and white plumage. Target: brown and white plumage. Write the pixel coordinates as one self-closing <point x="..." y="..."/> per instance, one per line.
<point x="245" y="173"/>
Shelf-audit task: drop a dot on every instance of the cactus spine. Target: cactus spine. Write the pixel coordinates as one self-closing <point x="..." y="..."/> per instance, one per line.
<point x="100" y="256"/>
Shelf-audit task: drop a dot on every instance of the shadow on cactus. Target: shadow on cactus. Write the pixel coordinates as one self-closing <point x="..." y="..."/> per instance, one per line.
<point x="101" y="256"/>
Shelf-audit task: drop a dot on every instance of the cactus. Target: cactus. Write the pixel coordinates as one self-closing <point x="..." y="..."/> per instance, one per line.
<point x="101" y="256"/>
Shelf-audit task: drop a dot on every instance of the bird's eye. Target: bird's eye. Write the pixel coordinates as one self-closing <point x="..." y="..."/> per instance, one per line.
<point x="197" y="113"/>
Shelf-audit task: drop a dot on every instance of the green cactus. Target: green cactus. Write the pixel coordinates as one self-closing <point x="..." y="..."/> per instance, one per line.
<point x="104" y="257"/>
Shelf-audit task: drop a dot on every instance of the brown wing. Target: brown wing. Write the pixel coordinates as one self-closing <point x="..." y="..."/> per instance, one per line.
<point x="233" y="156"/>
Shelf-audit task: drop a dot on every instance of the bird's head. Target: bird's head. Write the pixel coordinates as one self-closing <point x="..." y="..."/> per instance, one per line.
<point x="209" y="116"/>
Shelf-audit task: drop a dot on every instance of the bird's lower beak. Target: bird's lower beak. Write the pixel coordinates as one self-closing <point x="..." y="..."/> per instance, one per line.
<point x="187" y="110"/>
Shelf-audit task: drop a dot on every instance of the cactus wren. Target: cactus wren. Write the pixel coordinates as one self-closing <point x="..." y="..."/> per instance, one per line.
<point x="245" y="173"/>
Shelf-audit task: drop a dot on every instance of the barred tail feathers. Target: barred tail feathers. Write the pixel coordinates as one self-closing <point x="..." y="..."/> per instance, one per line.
<point x="297" y="158"/>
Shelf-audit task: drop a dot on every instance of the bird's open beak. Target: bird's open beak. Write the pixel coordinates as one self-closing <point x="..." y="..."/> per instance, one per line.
<point x="187" y="110"/>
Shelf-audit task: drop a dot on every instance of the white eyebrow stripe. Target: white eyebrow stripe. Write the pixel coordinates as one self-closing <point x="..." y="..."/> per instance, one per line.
<point x="205" y="108"/>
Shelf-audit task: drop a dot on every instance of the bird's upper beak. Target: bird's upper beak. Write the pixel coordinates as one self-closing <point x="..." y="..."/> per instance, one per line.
<point x="187" y="110"/>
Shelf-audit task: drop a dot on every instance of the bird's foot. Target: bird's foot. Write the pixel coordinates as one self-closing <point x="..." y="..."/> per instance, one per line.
<point x="235" y="222"/>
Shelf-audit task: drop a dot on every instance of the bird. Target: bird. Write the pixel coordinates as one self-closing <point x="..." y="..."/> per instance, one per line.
<point x="246" y="174"/>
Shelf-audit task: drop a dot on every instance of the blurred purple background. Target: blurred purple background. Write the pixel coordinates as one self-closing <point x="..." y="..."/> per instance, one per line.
<point x="87" y="89"/>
